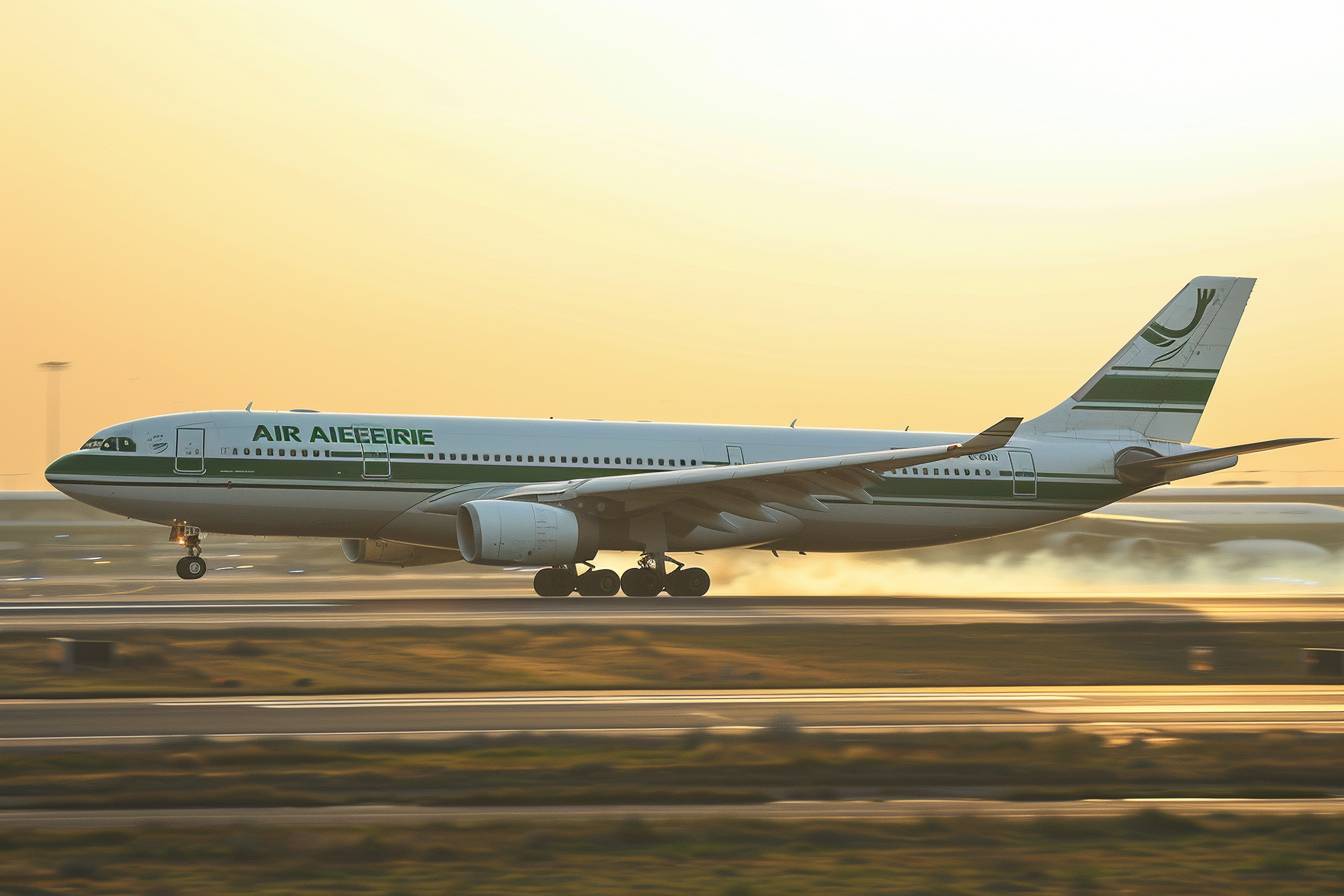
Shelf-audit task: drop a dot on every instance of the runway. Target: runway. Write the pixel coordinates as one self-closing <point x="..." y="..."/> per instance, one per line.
<point x="309" y="609"/>
<point x="839" y="810"/>
<point x="1249" y="708"/>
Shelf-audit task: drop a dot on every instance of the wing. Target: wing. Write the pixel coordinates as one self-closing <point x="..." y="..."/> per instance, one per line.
<point x="702" y="495"/>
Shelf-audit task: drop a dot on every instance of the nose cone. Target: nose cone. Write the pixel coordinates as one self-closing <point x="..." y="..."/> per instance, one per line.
<point x="59" y="470"/>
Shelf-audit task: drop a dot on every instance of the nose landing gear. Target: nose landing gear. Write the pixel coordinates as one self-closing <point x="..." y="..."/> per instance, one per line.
<point x="192" y="566"/>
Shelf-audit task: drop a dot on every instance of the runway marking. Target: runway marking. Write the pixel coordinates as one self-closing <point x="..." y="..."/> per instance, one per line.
<point x="616" y="700"/>
<point x="1198" y="708"/>
<point x="157" y="606"/>
<point x="1315" y="726"/>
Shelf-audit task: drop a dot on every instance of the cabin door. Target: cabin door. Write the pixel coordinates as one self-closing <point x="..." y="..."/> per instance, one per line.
<point x="1024" y="473"/>
<point x="377" y="458"/>
<point x="190" y="458"/>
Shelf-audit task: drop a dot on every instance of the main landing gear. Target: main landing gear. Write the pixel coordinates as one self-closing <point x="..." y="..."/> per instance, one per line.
<point x="648" y="579"/>
<point x="192" y="566"/>
<point x="561" y="581"/>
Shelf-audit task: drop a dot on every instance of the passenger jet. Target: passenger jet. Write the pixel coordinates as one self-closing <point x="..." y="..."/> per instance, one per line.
<point x="553" y="493"/>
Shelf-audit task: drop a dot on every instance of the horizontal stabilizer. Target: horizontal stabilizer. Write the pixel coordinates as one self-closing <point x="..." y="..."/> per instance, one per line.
<point x="1137" y="468"/>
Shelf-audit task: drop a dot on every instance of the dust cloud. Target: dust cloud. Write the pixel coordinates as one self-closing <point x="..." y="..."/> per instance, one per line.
<point x="943" y="572"/>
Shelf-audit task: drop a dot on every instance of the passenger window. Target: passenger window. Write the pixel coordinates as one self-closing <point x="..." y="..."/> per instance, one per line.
<point x="627" y="460"/>
<point x="552" y="458"/>
<point x="305" y="452"/>
<point x="683" y="461"/>
<point x="660" y="462"/>
<point x="293" y="452"/>
<point x="270" y="452"/>
<point x="692" y="462"/>
<point x="247" y="450"/>
<point x="585" y="460"/>
<point x="496" y="458"/>
<point x="529" y="458"/>
<point x="606" y="460"/>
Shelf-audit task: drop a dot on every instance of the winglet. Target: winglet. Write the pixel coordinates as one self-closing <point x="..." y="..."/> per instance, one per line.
<point x="995" y="437"/>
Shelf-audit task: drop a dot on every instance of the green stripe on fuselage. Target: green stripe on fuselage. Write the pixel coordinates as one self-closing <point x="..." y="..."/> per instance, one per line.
<point x="431" y="476"/>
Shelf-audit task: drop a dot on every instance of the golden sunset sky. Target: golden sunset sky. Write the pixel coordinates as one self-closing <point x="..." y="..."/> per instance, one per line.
<point x="872" y="215"/>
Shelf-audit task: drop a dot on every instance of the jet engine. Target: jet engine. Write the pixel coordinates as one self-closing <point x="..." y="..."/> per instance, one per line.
<point x="394" y="553"/>
<point x="523" y="533"/>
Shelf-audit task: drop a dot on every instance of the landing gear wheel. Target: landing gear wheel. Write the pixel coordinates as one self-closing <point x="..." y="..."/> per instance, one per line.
<point x="191" y="567"/>
<point x="690" y="581"/>
<point x="641" y="582"/>
<point x="553" y="581"/>
<point x="608" y="582"/>
<point x="599" y="583"/>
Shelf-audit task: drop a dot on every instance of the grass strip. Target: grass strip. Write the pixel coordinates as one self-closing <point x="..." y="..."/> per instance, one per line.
<point x="700" y="768"/>
<point x="1149" y="852"/>
<point x="284" y="661"/>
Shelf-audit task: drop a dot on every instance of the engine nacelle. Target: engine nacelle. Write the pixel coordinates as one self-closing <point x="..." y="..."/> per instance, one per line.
<point x="523" y="533"/>
<point x="394" y="553"/>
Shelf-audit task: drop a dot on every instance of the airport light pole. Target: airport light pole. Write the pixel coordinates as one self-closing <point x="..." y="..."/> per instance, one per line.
<point x="54" y="370"/>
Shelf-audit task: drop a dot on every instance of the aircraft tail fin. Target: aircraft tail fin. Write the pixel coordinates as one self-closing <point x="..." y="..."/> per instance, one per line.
<point x="1158" y="384"/>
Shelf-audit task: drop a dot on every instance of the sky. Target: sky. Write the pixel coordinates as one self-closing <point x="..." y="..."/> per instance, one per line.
<point x="872" y="215"/>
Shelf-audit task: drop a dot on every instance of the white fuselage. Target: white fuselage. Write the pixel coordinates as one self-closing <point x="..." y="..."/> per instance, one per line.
<point x="403" y="478"/>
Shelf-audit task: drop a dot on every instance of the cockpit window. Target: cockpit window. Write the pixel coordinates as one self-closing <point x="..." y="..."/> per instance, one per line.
<point x="112" y="443"/>
<point x="91" y="443"/>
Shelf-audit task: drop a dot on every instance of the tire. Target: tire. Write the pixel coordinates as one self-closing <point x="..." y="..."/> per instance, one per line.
<point x="190" y="568"/>
<point x="587" y="584"/>
<point x="640" y="582"/>
<point x="607" y="583"/>
<point x="691" y="581"/>
<point x="553" y="582"/>
<point x="697" y="580"/>
<point x="676" y="584"/>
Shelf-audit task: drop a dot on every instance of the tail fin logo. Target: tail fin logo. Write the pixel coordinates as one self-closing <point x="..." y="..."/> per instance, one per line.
<point x="1162" y="337"/>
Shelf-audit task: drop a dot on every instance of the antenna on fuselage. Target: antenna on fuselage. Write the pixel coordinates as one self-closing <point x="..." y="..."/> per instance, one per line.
<point x="793" y="424"/>
<point x="249" y="407"/>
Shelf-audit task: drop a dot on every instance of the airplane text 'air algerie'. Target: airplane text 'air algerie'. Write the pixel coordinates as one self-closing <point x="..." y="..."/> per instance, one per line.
<point x="553" y="493"/>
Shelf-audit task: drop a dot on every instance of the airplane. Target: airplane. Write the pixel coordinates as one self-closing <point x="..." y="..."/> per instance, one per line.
<point x="551" y="494"/>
